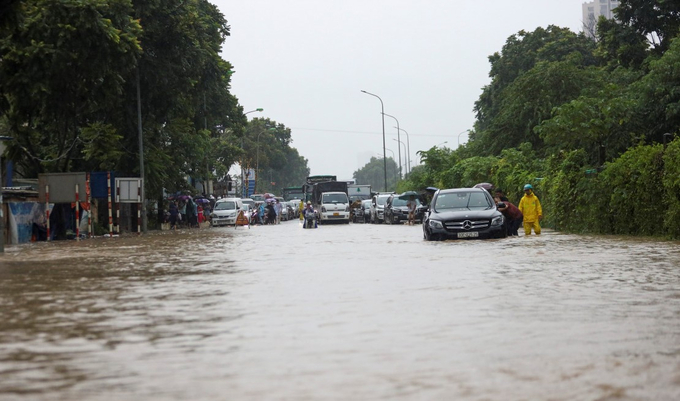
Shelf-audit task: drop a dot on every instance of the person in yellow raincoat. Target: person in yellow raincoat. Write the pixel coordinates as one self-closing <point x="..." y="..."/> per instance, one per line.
<point x="531" y="208"/>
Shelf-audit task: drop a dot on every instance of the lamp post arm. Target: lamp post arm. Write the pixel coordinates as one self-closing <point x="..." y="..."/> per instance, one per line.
<point x="252" y="111"/>
<point x="382" y="112"/>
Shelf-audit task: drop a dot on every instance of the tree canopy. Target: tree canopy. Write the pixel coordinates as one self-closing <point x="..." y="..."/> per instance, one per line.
<point x="71" y="73"/>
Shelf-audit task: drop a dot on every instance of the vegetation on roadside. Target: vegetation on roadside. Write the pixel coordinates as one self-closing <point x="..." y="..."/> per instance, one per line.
<point x="71" y="72"/>
<point x="584" y="121"/>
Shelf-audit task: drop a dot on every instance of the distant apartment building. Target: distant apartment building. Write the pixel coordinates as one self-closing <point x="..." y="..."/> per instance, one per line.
<point x="592" y="12"/>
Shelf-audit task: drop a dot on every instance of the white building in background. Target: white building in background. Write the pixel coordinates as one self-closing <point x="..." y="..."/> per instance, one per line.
<point x="592" y="11"/>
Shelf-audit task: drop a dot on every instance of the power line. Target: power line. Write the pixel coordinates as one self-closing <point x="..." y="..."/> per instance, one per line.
<point x="362" y="132"/>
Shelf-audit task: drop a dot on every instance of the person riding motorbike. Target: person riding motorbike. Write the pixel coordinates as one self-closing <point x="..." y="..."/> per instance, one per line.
<point x="310" y="217"/>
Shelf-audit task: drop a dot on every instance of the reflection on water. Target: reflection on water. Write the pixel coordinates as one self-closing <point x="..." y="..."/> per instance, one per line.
<point x="337" y="313"/>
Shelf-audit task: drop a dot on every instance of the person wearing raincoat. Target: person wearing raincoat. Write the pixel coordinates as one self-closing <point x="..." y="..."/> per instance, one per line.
<point x="531" y="208"/>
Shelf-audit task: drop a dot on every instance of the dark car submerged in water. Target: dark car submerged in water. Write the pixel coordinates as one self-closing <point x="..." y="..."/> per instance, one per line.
<point x="462" y="213"/>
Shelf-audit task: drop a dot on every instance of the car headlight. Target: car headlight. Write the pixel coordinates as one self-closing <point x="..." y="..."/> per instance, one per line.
<point x="497" y="221"/>
<point x="436" y="224"/>
<point x="347" y="208"/>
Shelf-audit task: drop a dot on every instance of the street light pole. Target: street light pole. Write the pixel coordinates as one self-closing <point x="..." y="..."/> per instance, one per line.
<point x="408" y="145"/>
<point x="382" y="114"/>
<point x="467" y="130"/>
<point x="257" y="162"/>
<point x="402" y="143"/>
<point x="243" y="176"/>
<point x="398" y="138"/>
<point x="140" y="138"/>
<point x="2" y="210"/>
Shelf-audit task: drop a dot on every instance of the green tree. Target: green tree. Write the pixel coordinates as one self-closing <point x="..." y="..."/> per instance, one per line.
<point x="62" y="70"/>
<point x="535" y="72"/>
<point x="267" y="144"/>
<point x="373" y="173"/>
<point x="520" y="54"/>
<point x="190" y="119"/>
<point x="436" y="161"/>
<point x="596" y="122"/>
<point x="530" y="99"/>
<point x="658" y="20"/>
<point x="620" y="45"/>
<point x="658" y="93"/>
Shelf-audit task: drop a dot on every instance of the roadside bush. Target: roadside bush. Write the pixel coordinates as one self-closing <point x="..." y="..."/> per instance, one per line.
<point x="671" y="183"/>
<point x="569" y="195"/>
<point x="514" y="169"/>
<point x="636" y="196"/>
<point x="468" y="172"/>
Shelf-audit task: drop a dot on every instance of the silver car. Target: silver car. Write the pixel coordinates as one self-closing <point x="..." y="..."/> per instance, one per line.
<point x="378" y="208"/>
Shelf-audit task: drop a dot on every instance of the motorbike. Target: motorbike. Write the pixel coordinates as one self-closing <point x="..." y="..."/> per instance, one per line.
<point x="310" y="219"/>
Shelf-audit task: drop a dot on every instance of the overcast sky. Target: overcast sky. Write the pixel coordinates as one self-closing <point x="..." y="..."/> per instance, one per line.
<point x="305" y="63"/>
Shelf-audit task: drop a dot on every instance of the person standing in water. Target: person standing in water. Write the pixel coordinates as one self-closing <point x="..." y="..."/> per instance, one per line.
<point x="532" y="211"/>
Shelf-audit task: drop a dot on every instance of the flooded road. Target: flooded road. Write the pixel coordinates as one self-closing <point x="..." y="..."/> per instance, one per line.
<point x="346" y="312"/>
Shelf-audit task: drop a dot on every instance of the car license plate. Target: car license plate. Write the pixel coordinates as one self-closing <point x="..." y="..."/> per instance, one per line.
<point x="336" y="214"/>
<point x="470" y="234"/>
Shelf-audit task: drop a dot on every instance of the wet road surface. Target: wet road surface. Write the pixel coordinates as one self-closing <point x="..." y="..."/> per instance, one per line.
<point x="343" y="312"/>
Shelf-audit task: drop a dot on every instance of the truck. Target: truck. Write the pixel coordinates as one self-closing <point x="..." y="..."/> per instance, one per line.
<point x="291" y="193"/>
<point x="358" y="192"/>
<point x="331" y="202"/>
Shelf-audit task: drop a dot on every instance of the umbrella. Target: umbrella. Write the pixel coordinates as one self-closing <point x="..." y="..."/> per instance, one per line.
<point x="270" y="200"/>
<point x="184" y="197"/>
<point x="432" y="189"/>
<point x="202" y="200"/>
<point x="408" y="194"/>
<point x="268" y="195"/>
<point x="484" y="185"/>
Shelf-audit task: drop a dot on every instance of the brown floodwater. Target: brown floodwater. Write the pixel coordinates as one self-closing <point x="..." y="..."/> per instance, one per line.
<point x="346" y="312"/>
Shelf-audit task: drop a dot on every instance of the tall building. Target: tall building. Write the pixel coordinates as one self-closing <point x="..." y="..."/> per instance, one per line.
<point x="592" y="12"/>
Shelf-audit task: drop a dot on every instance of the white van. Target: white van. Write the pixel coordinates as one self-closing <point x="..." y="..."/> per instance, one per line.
<point x="334" y="207"/>
<point x="225" y="212"/>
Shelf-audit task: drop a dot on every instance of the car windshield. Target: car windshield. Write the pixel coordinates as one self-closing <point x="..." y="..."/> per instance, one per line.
<point x="226" y="205"/>
<point x="381" y="200"/>
<point x="366" y="204"/>
<point x="334" y="198"/>
<point x="462" y="200"/>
